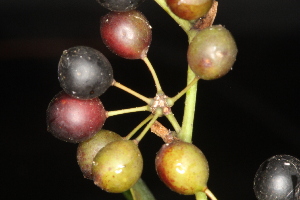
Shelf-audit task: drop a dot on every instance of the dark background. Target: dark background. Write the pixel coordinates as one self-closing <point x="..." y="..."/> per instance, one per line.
<point x="241" y="119"/>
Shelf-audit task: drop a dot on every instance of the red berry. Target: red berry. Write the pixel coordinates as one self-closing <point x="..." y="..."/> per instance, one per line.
<point x="127" y="34"/>
<point x="74" y="120"/>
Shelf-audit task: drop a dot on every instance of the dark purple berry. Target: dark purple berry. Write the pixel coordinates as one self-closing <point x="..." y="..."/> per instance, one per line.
<point x="84" y="72"/>
<point x="278" y="178"/>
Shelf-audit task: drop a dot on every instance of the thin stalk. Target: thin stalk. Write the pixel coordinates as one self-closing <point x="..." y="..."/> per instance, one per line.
<point x="189" y="109"/>
<point x="143" y="133"/>
<point x="138" y="127"/>
<point x="174" y="122"/>
<point x="184" y="24"/>
<point x="181" y="93"/>
<point x="128" y="110"/>
<point x="210" y="194"/>
<point x="140" y="191"/>
<point x="127" y="194"/>
<point x="154" y="75"/>
<point x="130" y="91"/>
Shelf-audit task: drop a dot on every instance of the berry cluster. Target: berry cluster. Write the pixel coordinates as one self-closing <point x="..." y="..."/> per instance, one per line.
<point x="77" y="115"/>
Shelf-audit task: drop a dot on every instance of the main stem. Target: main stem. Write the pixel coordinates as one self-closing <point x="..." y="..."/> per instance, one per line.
<point x="189" y="110"/>
<point x="190" y="100"/>
<point x="184" y="24"/>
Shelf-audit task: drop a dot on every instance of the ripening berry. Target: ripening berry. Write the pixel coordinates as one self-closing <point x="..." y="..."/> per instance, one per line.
<point x="212" y="52"/>
<point x="74" y="120"/>
<point x="190" y="9"/>
<point x="127" y="34"/>
<point x="182" y="167"/>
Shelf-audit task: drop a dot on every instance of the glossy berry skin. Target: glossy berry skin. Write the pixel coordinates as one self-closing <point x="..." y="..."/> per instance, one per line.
<point x="212" y="52"/>
<point x="182" y="167"/>
<point x="88" y="149"/>
<point x="120" y="5"/>
<point x="278" y="178"/>
<point x="84" y="72"/>
<point x="117" y="166"/>
<point x="127" y="34"/>
<point x="190" y="9"/>
<point x="74" y="120"/>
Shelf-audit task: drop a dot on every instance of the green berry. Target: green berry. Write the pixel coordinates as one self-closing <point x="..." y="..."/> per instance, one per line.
<point x="117" y="166"/>
<point x="182" y="167"/>
<point x="88" y="149"/>
<point x="212" y="52"/>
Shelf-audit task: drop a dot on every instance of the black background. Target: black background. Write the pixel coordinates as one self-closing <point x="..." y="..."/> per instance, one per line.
<point x="241" y="119"/>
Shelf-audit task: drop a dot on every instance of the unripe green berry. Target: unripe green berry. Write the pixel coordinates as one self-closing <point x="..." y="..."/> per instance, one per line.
<point x="117" y="166"/>
<point x="212" y="52"/>
<point x="88" y="149"/>
<point x="182" y="167"/>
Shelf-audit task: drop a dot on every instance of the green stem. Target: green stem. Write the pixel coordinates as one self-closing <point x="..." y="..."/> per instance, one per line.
<point x="201" y="196"/>
<point x="154" y="75"/>
<point x="143" y="133"/>
<point x="184" y="24"/>
<point x="128" y="110"/>
<point x="181" y="93"/>
<point x="138" y="127"/>
<point x="210" y="194"/>
<point x="186" y="131"/>
<point x="127" y="194"/>
<point x="130" y="91"/>
<point x="140" y="191"/>
<point x="189" y="110"/>
<point x="174" y="122"/>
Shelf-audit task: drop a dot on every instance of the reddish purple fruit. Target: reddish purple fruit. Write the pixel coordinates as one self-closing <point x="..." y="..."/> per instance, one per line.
<point x="190" y="9"/>
<point x="74" y="120"/>
<point x="182" y="167"/>
<point x="127" y="34"/>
